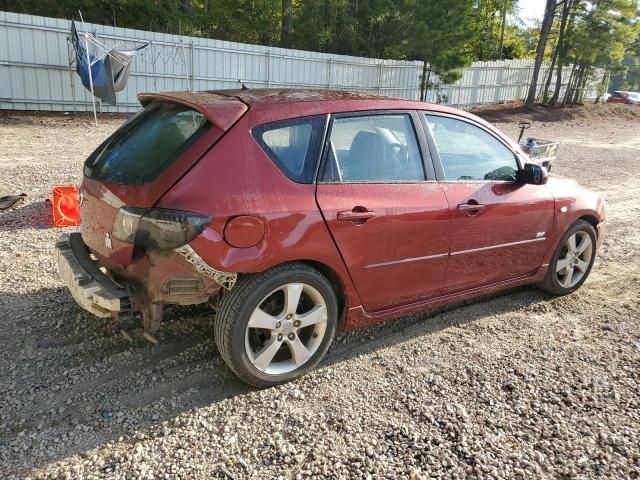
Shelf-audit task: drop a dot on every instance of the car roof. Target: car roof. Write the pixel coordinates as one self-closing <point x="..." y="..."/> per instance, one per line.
<point x="261" y="96"/>
<point x="269" y="97"/>
<point x="343" y="99"/>
<point x="224" y="107"/>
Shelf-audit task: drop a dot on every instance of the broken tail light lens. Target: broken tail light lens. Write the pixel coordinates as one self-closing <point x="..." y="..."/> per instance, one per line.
<point x="158" y="227"/>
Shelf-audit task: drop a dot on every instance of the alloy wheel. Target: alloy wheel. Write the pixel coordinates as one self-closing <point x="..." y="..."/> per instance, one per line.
<point x="574" y="259"/>
<point x="286" y="328"/>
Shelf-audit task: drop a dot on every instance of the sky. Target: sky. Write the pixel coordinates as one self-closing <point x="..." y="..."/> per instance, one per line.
<point x="531" y="9"/>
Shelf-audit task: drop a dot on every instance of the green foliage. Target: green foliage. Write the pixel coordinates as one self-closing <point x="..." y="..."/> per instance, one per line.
<point x="605" y="32"/>
<point x="371" y="28"/>
<point x="440" y="33"/>
<point x="594" y="37"/>
<point x="246" y="21"/>
<point x="448" y="34"/>
<point x="631" y="73"/>
<point x="485" y="21"/>
<point x="518" y="43"/>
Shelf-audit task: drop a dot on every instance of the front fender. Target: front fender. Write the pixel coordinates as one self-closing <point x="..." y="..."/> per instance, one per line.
<point x="572" y="203"/>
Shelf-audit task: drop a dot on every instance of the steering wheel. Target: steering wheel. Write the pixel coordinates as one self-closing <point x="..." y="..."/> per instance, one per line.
<point x="399" y="152"/>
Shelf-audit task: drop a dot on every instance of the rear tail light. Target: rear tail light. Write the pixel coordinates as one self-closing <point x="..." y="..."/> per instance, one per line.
<point x="158" y="227"/>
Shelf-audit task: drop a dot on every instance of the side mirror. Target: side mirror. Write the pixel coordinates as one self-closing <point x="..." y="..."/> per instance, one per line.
<point x="533" y="174"/>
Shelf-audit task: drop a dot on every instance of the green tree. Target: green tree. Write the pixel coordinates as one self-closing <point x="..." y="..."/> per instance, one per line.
<point x="372" y="28"/>
<point x="547" y="22"/>
<point x="631" y="73"/>
<point x="486" y="22"/>
<point x="604" y="32"/>
<point x="561" y="47"/>
<point x="440" y="33"/>
<point x="517" y="43"/>
<point x="446" y="34"/>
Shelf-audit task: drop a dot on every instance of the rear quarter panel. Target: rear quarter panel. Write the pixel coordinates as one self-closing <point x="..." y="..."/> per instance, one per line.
<point x="237" y="178"/>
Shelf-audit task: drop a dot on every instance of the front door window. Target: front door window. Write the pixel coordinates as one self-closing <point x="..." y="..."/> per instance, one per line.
<point x="468" y="153"/>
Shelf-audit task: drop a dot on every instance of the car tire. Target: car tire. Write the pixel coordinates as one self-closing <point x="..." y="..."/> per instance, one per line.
<point x="258" y="319"/>
<point x="569" y="269"/>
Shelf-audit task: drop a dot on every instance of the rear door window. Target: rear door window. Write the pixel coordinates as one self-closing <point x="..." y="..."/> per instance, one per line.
<point x="373" y="149"/>
<point x="293" y="145"/>
<point x="148" y="144"/>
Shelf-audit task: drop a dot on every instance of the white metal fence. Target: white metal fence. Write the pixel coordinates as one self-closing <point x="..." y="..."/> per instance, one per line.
<point x="35" y="71"/>
<point x="500" y="81"/>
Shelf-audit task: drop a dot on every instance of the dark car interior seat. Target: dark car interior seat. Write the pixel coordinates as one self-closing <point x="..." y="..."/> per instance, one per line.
<point x="367" y="158"/>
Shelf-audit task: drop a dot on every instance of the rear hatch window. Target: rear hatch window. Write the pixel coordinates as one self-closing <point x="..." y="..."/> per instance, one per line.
<point x="144" y="147"/>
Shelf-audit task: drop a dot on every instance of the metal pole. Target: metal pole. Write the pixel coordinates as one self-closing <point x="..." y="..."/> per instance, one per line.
<point x="186" y="65"/>
<point x="380" y="78"/>
<point x="93" y="97"/>
<point x="95" y="36"/>
<point x="154" y="59"/>
<point x="426" y="86"/>
<point x="192" y="66"/>
<point x="268" y="69"/>
<point x="506" y="85"/>
<point x="71" y="76"/>
<point x="329" y="73"/>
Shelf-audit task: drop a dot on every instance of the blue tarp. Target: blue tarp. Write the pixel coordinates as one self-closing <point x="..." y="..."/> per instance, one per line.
<point x="109" y="75"/>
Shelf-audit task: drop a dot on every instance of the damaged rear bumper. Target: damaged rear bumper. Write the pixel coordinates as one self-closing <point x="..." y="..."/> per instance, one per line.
<point x="157" y="278"/>
<point x="91" y="288"/>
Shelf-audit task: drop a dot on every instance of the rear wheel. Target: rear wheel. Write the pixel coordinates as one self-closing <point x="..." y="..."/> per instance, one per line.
<point x="277" y="325"/>
<point x="571" y="263"/>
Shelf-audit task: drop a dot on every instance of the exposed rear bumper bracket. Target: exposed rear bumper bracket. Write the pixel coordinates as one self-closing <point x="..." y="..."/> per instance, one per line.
<point x="224" y="279"/>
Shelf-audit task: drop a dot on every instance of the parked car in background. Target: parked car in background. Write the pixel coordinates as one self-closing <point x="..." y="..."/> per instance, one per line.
<point x="619" y="96"/>
<point x="299" y="213"/>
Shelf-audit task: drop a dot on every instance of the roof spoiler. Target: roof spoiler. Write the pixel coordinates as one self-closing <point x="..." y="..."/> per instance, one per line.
<point x="221" y="110"/>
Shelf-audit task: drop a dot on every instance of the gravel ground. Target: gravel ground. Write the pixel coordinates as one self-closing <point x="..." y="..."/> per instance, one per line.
<point x="519" y="385"/>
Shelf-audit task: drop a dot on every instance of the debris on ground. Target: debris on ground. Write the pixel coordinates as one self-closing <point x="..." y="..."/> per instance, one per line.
<point x="8" y="201"/>
<point x="520" y="385"/>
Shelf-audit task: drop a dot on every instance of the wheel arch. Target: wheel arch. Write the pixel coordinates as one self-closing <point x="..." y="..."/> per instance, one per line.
<point x="549" y="282"/>
<point x="331" y="275"/>
<point x="565" y="222"/>
<point x="336" y="283"/>
<point x="590" y="219"/>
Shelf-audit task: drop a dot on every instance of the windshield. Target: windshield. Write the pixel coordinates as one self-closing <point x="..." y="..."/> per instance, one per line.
<point x="144" y="147"/>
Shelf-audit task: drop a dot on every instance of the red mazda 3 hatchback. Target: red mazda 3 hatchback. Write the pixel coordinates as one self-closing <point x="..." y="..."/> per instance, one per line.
<point x="299" y="213"/>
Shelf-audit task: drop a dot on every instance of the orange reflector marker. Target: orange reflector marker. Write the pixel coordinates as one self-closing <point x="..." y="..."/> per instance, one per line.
<point x="66" y="208"/>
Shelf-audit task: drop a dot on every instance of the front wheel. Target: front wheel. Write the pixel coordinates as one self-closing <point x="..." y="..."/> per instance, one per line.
<point x="275" y="326"/>
<point x="572" y="261"/>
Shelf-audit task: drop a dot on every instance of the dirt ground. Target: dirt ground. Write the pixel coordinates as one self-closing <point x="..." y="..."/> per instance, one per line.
<point x="518" y="385"/>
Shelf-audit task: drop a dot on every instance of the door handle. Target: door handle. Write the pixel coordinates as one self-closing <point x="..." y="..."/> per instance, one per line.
<point x="470" y="208"/>
<point x="356" y="215"/>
